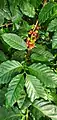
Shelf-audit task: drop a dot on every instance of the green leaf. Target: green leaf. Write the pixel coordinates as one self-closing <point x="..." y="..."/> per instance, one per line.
<point x="52" y="25"/>
<point x="13" y="6"/>
<point x="36" y="113"/>
<point x="2" y="56"/>
<point x="54" y="41"/>
<point x="27" y="9"/>
<point x="44" y="74"/>
<point x="7" y="69"/>
<point x="35" y="3"/>
<point x="9" y="114"/>
<point x="1" y="3"/>
<point x="47" y="108"/>
<point x="14" y="41"/>
<point x="26" y="103"/>
<point x="15" y="90"/>
<point x="2" y="96"/>
<point x="34" y="88"/>
<point x="5" y="12"/>
<point x="52" y="96"/>
<point x="1" y="18"/>
<point x="38" y="57"/>
<point x="17" y="17"/>
<point x="48" y="11"/>
<point x="21" y="101"/>
<point x="41" y="54"/>
<point x="19" y="56"/>
<point x="23" y="30"/>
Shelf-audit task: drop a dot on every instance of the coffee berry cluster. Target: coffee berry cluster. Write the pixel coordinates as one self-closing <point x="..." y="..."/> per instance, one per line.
<point x="33" y="35"/>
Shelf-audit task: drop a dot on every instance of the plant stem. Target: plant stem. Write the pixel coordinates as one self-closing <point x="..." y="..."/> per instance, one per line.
<point x="35" y="25"/>
<point x="6" y="25"/>
<point x="44" y="3"/>
<point x="27" y="115"/>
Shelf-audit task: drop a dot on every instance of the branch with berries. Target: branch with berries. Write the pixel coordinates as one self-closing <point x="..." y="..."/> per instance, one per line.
<point x="33" y="35"/>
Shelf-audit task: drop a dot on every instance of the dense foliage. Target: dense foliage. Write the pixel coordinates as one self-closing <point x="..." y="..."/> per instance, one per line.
<point x="28" y="60"/>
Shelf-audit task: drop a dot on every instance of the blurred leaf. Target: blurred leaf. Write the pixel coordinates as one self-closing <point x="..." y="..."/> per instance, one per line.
<point x="26" y="103"/>
<point x="19" y="56"/>
<point x="2" y="56"/>
<point x="35" y="113"/>
<point x="52" y="25"/>
<point x="35" y="3"/>
<point x="8" y="114"/>
<point x="6" y="13"/>
<point x="1" y="4"/>
<point x="23" y="30"/>
<point x="54" y="41"/>
<point x="2" y="96"/>
<point x="17" y="17"/>
<point x="1" y="18"/>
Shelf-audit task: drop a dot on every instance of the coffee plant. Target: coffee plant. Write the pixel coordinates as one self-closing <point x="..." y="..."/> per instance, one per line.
<point x="28" y="59"/>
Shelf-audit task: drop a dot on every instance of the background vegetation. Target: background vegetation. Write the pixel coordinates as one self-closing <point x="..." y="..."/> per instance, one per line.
<point x="28" y="60"/>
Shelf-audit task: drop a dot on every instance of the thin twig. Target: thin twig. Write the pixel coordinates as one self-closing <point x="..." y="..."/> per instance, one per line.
<point x="6" y="25"/>
<point x="35" y="25"/>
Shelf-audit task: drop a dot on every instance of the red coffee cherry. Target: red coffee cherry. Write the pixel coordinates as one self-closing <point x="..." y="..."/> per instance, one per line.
<point x="31" y="45"/>
<point x="30" y="32"/>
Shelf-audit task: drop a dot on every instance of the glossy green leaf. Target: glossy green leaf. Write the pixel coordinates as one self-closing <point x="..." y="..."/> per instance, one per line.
<point x="15" y="90"/>
<point x="14" y="41"/>
<point x="48" y="11"/>
<point x="39" y="53"/>
<point x="34" y="88"/>
<point x="47" y="108"/>
<point x="44" y="74"/>
<point x="27" y="9"/>
<point x="7" y="69"/>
